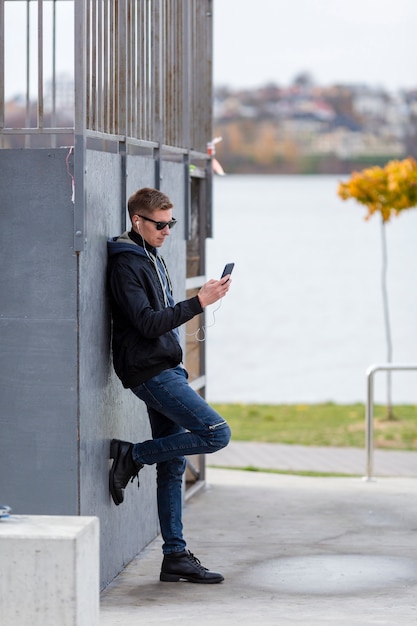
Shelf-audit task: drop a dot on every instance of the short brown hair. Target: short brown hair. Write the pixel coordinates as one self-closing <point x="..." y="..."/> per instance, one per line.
<point x="147" y="200"/>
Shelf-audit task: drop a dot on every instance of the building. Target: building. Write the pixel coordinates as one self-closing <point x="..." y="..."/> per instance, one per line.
<point x="142" y="117"/>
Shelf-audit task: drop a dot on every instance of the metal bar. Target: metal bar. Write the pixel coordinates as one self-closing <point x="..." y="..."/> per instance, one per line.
<point x="38" y="131"/>
<point x="53" y="104"/>
<point x="121" y="68"/>
<point x="171" y="68"/>
<point x="369" y="425"/>
<point x="99" y="124"/>
<point x="149" y="63"/>
<point x="130" y="48"/>
<point x="80" y="56"/>
<point x="186" y="77"/>
<point x="2" y="105"/>
<point x="196" y="487"/>
<point x="209" y="199"/>
<point x="27" y="139"/>
<point x="93" y="57"/>
<point x="370" y="372"/>
<point x="195" y="471"/>
<point x="133" y="82"/>
<point x="40" y="64"/>
<point x="105" y="69"/>
<point x="106" y="136"/>
<point x="111" y="52"/>
<point x="198" y="383"/>
<point x="87" y="66"/>
<point x="142" y="143"/>
<point x="140" y="17"/>
<point x="157" y="82"/>
<point x="195" y="282"/>
<point x="187" y="198"/>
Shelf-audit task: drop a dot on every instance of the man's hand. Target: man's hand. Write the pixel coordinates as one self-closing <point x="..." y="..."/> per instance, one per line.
<point x="214" y="290"/>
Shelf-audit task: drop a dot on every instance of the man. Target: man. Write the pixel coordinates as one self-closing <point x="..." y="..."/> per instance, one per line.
<point x="147" y="358"/>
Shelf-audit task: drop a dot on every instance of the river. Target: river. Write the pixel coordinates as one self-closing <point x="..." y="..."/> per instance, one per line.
<point x="304" y="319"/>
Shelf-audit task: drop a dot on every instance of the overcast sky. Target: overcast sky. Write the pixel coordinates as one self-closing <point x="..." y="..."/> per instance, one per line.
<point x="260" y="41"/>
<point x="365" y="41"/>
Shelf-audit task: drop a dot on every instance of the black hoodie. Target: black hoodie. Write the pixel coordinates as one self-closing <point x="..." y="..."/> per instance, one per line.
<point x="144" y="315"/>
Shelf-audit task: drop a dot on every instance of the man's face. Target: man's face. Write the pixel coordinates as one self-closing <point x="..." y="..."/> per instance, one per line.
<point x="148" y="229"/>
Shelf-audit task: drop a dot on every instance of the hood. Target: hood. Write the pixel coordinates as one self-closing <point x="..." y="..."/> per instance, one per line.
<point x="123" y="243"/>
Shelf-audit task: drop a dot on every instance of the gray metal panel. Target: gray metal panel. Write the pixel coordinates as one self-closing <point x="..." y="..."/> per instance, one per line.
<point x="140" y="173"/>
<point x="106" y="409"/>
<point x="38" y="372"/>
<point x="38" y="451"/>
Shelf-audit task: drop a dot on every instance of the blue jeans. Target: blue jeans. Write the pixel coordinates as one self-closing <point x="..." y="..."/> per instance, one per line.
<point x="182" y="424"/>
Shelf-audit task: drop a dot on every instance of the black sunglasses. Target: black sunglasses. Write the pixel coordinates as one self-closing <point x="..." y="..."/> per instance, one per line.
<point x="160" y="225"/>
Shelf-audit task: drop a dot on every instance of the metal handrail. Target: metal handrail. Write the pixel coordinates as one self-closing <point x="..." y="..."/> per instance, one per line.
<point x="370" y="407"/>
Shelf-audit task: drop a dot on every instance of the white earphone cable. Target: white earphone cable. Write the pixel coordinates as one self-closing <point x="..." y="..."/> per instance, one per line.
<point x="200" y="334"/>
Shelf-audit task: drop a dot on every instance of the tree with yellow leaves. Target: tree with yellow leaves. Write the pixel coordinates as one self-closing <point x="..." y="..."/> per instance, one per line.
<point x="388" y="191"/>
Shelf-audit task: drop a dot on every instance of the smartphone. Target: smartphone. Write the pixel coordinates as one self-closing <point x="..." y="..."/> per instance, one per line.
<point x="228" y="269"/>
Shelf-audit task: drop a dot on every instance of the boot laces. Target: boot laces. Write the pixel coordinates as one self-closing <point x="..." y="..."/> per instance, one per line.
<point x="136" y="475"/>
<point x="196" y="562"/>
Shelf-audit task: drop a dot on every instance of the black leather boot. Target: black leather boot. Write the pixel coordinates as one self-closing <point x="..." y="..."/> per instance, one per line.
<point x="185" y="566"/>
<point x="124" y="468"/>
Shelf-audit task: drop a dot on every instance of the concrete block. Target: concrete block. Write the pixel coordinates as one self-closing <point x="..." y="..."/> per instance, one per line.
<point x="49" y="571"/>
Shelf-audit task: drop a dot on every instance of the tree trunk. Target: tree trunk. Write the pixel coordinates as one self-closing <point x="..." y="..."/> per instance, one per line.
<point x="386" y="315"/>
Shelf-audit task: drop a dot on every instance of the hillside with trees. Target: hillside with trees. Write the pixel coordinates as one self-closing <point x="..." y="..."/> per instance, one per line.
<point x="308" y="129"/>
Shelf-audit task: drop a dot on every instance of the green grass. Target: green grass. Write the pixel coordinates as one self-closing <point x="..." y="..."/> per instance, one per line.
<point x="309" y="473"/>
<point x="325" y="424"/>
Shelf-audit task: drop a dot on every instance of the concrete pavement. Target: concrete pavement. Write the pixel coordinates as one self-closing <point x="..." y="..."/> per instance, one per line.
<point x="244" y="454"/>
<point x="294" y="550"/>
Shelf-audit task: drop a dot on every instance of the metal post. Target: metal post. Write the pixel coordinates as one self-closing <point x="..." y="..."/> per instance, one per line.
<point x="370" y="372"/>
<point x="53" y="103"/>
<point x="79" y="123"/>
<point x="27" y="123"/>
<point x="369" y="423"/>
<point x="187" y="197"/>
<point x="158" y="81"/>
<point x="40" y="65"/>
<point x="1" y="70"/>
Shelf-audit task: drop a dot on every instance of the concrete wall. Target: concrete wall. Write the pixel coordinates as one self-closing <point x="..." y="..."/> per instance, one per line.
<point x="60" y="401"/>
<point x="38" y="334"/>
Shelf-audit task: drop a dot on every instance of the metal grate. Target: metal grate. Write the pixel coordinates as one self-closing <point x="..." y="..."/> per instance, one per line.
<point x="141" y="72"/>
